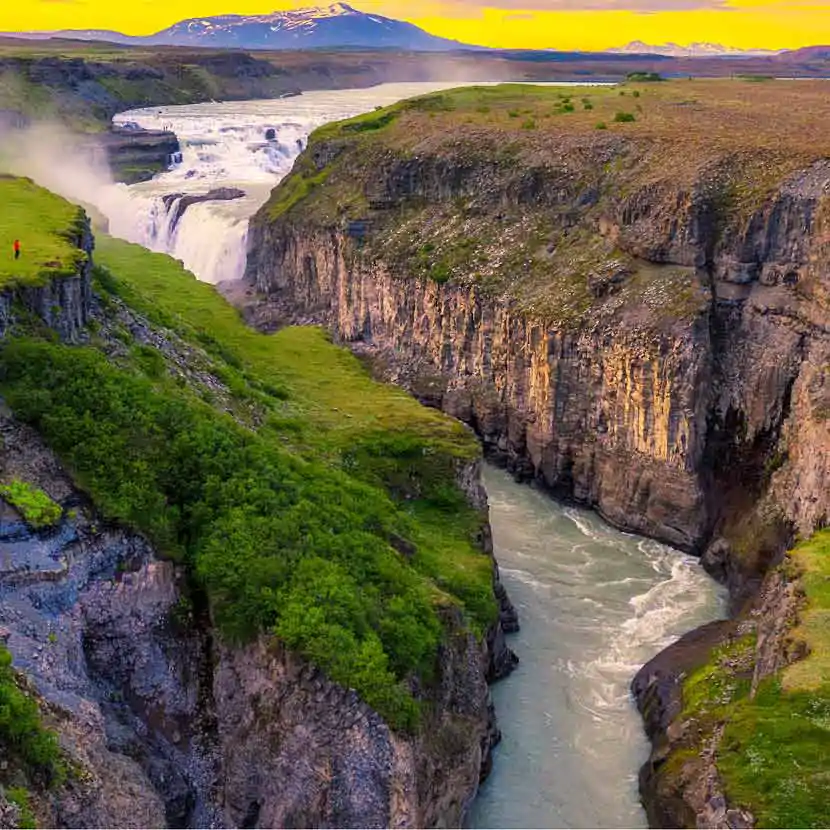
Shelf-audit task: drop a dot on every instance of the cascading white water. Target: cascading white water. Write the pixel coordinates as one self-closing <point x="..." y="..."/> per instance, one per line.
<point x="249" y="145"/>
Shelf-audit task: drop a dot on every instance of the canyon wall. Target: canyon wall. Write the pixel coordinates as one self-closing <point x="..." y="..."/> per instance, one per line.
<point x="658" y="413"/>
<point x="62" y="302"/>
<point x="166" y="726"/>
<point x="161" y="721"/>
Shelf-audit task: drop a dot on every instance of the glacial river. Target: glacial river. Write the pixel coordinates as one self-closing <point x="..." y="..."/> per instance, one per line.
<point x="595" y="604"/>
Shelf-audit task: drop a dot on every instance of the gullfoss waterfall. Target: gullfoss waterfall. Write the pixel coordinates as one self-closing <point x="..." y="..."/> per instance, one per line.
<point x="248" y="146"/>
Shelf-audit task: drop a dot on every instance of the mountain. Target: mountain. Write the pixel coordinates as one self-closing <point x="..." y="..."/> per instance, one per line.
<point x="692" y="50"/>
<point x="337" y="25"/>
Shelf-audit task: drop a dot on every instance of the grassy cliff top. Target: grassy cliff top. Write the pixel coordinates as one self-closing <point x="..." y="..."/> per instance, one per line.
<point x="706" y="116"/>
<point x="48" y="228"/>
<point x="772" y="757"/>
<point x="563" y="200"/>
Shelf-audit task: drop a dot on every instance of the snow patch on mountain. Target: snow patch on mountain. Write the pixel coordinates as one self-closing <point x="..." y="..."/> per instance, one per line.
<point x="691" y="50"/>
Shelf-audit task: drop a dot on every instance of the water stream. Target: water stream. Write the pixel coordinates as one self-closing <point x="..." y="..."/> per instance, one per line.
<point x="595" y="604"/>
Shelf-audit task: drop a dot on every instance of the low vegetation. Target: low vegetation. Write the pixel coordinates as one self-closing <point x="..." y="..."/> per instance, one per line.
<point x="37" y="509"/>
<point x="772" y="758"/>
<point x="23" y="738"/>
<point x="48" y="229"/>
<point x="314" y="504"/>
<point x="644" y="77"/>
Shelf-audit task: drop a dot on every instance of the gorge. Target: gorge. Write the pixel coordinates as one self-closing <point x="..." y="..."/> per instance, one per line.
<point x="630" y="311"/>
<point x="630" y="320"/>
<point x="230" y="146"/>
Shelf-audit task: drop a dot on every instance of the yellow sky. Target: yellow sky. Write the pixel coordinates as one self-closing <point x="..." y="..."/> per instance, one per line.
<point x="561" y="24"/>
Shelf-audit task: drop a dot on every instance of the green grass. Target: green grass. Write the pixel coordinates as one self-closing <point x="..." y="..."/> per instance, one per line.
<point x="48" y="228"/>
<point x="34" y="505"/>
<point x="336" y="399"/>
<point x="812" y="559"/>
<point x="20" y="797"/>
<point x="331" y="519"/>
<point x="773" y="757"/>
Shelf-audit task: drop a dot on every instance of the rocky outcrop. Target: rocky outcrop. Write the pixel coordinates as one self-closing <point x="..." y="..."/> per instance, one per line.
<point x="177" y="203"/>
<point x="136" y="155"/>
<point x="62" y="302"/>
<point x="164" y="726"/>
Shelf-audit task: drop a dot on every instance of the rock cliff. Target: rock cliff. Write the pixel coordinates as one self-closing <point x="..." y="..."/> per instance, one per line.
<point x="162" y="720"/>
<point x="633" y="317"/>
<point x="165" y="726"/>
<point x="60" y="302"/>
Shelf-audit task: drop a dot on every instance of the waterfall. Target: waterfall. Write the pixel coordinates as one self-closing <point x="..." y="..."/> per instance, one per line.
<point x="209" y="238"/>
<point x="249" y="145"/>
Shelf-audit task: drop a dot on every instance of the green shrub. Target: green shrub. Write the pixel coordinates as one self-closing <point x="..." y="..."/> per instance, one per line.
<point x="20" y="797"/>
<point x="269" y="535"/>
<point x="528" y="124"/>
<point x="645" y="77"/>
<point x="37" y="509"/>
<point x="22" y="736"/>
<point x="600" y="125"/>
<point x="756" y="78"/>
<point x="624" y="117"/>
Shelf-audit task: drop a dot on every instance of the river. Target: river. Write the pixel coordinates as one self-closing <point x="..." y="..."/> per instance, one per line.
<point x="595" y="604"/>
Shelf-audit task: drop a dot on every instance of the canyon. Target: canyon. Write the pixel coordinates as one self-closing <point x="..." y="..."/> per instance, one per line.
<point x="634" y="318"/>
<point x="628" y="312"/>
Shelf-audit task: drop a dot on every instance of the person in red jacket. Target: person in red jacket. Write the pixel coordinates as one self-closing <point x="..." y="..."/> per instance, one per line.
<point x="17" y="249"/>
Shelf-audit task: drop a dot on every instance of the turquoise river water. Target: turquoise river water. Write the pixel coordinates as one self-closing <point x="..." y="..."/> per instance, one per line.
<point x="595" y="604"/>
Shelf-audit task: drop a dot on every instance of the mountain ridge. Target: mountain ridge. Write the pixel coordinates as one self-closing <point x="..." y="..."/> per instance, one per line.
<point x="335" y="25"/>
<point x="692" y="50"/>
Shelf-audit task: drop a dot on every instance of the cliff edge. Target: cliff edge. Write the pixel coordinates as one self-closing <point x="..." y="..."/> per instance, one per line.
<point x="623" y="291"/>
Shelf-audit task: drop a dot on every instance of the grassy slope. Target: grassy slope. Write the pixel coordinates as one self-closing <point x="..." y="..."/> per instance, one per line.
<point x="46" y="227"/>
<point x="733" y="136"/>
<point x="307" y="499"/>
<point x="773" y="757"/>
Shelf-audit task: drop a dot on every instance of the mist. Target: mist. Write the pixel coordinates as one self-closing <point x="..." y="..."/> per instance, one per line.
<point x="70" y="165"/>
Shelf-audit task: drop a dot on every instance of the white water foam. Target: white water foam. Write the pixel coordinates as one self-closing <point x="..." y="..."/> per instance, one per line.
<point x="248" y="145"/>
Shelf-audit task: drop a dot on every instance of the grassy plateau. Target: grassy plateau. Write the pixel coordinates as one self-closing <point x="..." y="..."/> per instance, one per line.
<point x="510" y="187"/>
